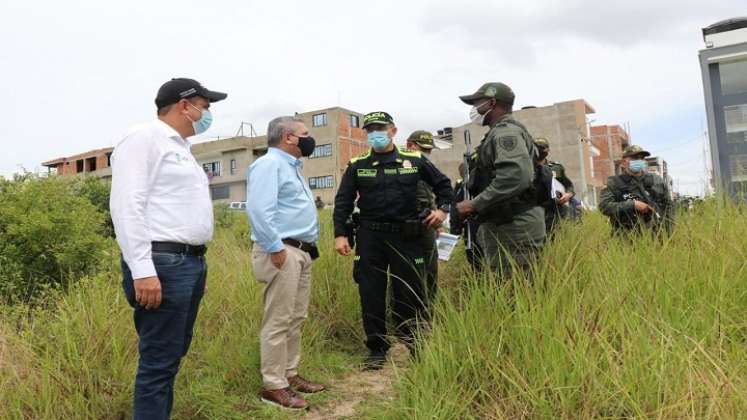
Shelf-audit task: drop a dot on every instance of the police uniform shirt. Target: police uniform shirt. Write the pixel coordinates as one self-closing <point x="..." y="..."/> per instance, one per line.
<point x="387" y="187"/>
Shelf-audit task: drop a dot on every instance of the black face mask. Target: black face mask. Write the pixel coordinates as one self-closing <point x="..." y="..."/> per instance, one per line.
<point x="307" y="145"/>
<point x="543" y="153"/>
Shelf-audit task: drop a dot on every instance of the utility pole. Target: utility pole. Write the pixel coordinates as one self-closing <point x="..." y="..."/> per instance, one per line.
<point x="582" y="167"/>
<point x="609" y="150"/>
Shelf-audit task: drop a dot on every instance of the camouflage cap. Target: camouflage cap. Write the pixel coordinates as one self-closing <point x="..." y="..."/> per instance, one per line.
<point x="378" y="117"/>
<point x="635" y="150"/>
<point x="501" y="92"/>
<point x="423" y="139"/>
<point x="541" y="142"/>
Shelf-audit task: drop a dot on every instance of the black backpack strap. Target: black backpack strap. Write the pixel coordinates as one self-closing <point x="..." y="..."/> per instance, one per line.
<point x="613" y="185"/>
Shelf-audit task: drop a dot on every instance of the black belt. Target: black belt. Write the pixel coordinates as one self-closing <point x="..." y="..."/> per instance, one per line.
<point x="177" y="248"/>
<point x="382" y="226"/>
<point x="303" y="246"/>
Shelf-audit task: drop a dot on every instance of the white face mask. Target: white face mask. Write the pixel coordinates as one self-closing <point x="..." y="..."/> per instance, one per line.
<point x="475" y="116"/>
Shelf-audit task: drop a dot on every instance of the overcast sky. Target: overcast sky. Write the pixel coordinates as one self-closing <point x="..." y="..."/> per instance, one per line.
<point x="76" y="74"/>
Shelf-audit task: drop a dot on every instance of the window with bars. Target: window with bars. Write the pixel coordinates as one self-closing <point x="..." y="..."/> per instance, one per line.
<point x="323" y="150"/>
<point x="319" y="120"/>
<point x="212" y="168"/>
<point x="321" y="182"/>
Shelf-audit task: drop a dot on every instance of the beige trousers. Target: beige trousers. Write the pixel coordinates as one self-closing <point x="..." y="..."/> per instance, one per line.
<point x="286" y="304"/>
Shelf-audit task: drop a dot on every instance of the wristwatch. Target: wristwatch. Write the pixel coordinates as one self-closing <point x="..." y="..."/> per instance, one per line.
<point x="445" y="208"/>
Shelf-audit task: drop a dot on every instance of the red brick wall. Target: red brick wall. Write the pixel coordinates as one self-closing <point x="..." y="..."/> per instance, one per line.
<point x="352" y="140"/>
<point x="69" y="167"/>
<point x="619" y="139"/>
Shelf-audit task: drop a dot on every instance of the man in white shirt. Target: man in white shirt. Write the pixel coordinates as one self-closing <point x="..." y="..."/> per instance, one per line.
<point x="163" y="217"/>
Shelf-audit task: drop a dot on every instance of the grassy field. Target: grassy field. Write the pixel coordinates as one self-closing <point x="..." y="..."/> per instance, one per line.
<point x="609" y="329"/>
<point x="77" y="360"/>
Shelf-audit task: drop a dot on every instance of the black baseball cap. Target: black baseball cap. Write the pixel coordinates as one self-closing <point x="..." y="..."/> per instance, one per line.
<point x="180" y="88"/>
<point x="379" y="117"/>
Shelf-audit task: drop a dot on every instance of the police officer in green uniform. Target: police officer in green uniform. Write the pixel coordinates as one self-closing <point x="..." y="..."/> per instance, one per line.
<point x="637" y="200"/>
<point x="512" y="225"/>
<point x="557" y="207"/>
<point x="390" y="236"/>
<point x="422" y="141"/>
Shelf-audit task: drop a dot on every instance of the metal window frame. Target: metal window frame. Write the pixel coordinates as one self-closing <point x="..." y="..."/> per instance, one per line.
<point x="714" y="103"/>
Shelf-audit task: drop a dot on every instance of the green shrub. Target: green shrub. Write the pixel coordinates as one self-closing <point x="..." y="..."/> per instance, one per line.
<point x="49" y="236"/>
<point x="98" y="192"/>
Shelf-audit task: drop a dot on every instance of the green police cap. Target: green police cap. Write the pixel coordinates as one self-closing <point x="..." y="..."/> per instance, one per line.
<point x="501" y="92"/>
<point x="379" y="117"/>
<point x="541" y="142"/>
<point x="635" y="150"/>
<point x="422" y="138"/>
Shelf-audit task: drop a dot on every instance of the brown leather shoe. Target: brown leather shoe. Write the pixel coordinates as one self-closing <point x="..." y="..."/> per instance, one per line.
<point x="302" y="385"/>
<point x="284" y="398"/>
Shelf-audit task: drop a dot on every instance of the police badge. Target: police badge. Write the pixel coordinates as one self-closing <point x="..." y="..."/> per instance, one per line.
<point x="508" y="143"/>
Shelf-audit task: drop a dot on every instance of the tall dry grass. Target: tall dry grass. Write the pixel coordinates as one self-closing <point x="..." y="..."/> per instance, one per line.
<point x="610" y="328"/>
<point x="77" y="359"/>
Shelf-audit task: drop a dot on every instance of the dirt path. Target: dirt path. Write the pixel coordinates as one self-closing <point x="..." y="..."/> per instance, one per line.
<point x="361" y="386"/>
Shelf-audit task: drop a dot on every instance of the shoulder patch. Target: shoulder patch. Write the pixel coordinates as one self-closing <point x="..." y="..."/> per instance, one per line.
<point x="360" y="157"/>
<point x="409" y="153"/>
<point x="507" y="143"/>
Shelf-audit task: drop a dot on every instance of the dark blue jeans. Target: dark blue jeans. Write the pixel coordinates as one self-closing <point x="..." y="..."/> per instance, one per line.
<point x="165" y="333"/>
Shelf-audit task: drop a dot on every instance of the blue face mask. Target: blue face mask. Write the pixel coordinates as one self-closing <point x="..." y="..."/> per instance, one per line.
<point x="378" y="139"/>
<point x="637" y="166"/>
<point x="204" y="122"/>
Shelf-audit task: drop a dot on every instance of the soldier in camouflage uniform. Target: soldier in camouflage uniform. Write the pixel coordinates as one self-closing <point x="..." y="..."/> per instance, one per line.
<point x="556" y="208"/>
<point x="422" y="141"/>
<point x="637" y="200"/>
<point x="512" y="225"/>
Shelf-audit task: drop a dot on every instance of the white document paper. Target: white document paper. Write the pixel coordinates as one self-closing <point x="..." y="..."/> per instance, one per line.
<point x="445" y="244"/>
<point x="557" y="187"/>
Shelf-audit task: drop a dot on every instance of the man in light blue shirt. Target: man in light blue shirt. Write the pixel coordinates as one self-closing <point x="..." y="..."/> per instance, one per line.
<point x="285" y="229"/>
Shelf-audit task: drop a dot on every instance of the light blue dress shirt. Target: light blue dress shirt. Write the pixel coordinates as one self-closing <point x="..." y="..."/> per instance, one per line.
<point x="279" y="202"/>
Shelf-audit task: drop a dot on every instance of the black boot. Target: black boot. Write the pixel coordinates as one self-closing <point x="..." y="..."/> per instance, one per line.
<point x="375" y="360"/>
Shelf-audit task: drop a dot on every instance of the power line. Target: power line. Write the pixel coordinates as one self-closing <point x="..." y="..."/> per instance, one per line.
<point x="700" y="137"/>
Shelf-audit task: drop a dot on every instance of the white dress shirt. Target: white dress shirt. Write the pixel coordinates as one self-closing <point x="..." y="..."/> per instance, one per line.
<point x="159" y="193"/>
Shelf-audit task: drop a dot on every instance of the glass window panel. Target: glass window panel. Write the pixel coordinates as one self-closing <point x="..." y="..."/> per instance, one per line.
<point x="733" y="77"/>
<point x="323" y="150"/>
<point x="736" y="123"/>
<point x="220" y="192"/>
<point x="738" y="167"/>
<point x="319" y="120"/>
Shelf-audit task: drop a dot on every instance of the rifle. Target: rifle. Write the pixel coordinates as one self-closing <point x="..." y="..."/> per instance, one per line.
<point x="351" y="228"/>
<point x="466" y="183"/>
<point x="646" y="198"/>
